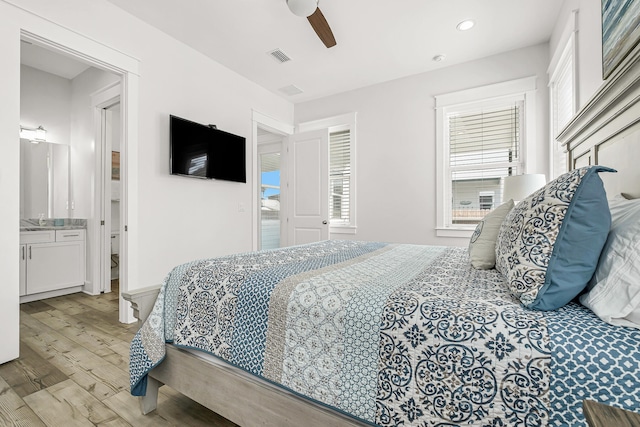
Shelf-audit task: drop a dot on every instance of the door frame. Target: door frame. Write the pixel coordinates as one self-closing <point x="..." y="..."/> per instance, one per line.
<point x="101" y="242"/>
<point x="69" y="43"/>
<point x="275" y="126"/>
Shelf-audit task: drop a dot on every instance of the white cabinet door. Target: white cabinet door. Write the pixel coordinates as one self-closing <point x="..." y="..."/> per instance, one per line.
<point x="308" y="202"/>
<point x="23" y="270"/>
<point x="52" y="266"/>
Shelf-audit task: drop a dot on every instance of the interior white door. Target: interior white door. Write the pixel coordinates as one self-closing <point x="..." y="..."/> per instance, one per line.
<point x="308" y="201"/>
<point x="110" y="202"/>
<point x="107" y="120"/>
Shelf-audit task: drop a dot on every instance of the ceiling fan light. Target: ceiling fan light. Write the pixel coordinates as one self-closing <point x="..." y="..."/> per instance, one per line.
<point x="302" y="7"/>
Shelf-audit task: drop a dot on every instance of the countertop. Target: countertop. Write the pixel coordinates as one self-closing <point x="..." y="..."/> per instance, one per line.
<point x="52" y="227"/>
<point x="33" y="224"/>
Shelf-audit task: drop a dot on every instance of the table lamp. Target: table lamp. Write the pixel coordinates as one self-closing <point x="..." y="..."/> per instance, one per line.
<point x="518" y="187"/>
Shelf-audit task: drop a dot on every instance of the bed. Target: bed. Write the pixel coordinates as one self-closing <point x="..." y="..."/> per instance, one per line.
<point x="344" y="333"/>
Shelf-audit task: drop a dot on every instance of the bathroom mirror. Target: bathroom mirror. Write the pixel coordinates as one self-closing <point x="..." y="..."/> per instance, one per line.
<point x="44" y="179"/>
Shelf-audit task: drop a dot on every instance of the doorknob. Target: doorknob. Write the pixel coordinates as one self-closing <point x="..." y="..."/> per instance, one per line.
<point x="324" y="222"/>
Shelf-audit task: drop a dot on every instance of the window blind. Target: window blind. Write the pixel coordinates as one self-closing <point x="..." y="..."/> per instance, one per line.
<point x="484" y="146"/>
<point x="339" y="176"/>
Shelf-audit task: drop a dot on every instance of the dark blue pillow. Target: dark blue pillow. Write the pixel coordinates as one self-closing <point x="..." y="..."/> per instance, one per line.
<point x="549" y="244"/>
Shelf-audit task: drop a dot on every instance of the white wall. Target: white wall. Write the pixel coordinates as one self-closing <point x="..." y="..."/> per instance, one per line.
<point x="589" y="42"/>
<point x="178" y="219"/>
<point x="396" y="145"/>
<point x="45" y="99"/>
<point x="82" y="140"/>
<point x="9" y="190"/>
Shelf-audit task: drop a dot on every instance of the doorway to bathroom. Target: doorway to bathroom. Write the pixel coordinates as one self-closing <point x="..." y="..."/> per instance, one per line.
<point x="100" y="156"/>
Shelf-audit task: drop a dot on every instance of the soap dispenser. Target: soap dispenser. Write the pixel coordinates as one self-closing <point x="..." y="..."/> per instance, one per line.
<point x="42" y="221"/>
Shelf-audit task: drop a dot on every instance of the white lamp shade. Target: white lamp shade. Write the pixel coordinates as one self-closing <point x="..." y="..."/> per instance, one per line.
<point x="302" y="7"/>
<point x="518" y="187"/>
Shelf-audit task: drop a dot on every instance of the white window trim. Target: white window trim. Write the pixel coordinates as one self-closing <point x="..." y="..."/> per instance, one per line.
<point x="567" y="44"/>
<point x="524" y="87"/>
<point x="337" y="123"/>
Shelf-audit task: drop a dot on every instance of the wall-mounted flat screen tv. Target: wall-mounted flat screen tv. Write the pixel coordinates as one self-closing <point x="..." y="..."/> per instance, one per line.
<point x="202" y="151"/>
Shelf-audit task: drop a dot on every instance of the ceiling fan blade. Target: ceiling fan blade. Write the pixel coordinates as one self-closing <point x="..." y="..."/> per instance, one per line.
<point x="321" y="27"/>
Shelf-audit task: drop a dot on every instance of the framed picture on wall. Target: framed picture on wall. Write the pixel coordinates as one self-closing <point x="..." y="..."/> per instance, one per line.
<point x="620" y="32"/>
<point x="115" y="165"/>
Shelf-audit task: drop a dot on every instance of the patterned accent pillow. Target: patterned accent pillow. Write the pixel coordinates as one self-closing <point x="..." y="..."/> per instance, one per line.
<point x="549" y="244"/>
<point x="482" y="246"/>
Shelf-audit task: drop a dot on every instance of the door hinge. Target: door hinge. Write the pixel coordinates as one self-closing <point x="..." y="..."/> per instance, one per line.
<point x="126" y="228"/>
<point x="102" y="222"/>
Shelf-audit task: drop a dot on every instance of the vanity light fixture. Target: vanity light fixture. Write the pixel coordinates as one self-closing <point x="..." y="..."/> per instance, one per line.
<point x="465" y="25"/>
<point x="35" y="135"/>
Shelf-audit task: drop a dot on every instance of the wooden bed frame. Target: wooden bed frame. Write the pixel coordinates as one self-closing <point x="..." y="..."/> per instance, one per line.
<point x="218" y="386"/>
<point x="606" y="131"/>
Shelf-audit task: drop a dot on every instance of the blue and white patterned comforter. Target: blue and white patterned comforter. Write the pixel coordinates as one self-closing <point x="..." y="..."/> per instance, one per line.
<point x="393" y="335"/>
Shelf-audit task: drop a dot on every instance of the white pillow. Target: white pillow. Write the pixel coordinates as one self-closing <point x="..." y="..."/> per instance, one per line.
<point x="482" y="246"/>
<point x="614" y="291"/>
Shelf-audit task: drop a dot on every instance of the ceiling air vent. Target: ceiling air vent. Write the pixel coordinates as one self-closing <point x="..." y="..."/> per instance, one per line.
<point x="279" y="56"/>
<point x="291" y="90"/>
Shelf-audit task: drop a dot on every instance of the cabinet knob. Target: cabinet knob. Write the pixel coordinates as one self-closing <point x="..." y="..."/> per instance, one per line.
<point x="324" y="222"/>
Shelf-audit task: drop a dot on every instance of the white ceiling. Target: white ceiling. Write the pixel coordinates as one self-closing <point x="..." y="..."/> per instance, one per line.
<point x="377" y="40"/>
<point x="49" y="61"/>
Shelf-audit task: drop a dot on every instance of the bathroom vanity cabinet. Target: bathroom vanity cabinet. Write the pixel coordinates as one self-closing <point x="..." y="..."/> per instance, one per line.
<point x="52" y="263"/>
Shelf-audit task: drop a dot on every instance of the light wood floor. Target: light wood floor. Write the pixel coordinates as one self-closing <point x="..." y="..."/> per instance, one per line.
<point x="73" y="371"/>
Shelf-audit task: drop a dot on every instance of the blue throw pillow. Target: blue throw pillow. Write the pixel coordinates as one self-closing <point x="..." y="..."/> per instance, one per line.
<point x="549" y="244"/>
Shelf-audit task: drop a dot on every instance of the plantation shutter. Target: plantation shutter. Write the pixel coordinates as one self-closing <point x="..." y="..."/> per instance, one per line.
<point x="484" y="146"/>
<point x="339" y="176"/>
<point x="563" y="101"/>
<point x="563" y="107"/>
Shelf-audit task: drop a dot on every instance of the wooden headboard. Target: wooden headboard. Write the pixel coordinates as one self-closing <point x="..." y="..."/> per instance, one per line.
<point x="606" y="131"/>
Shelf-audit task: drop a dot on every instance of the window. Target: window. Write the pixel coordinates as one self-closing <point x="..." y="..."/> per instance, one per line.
<point x="339" y="176"/>
<point x="485" y="200"/>
<point x="342" y="183"/>
<point x="481" y="136"/>
<point x="198" y="165"/>
<point x="562" y="84"/>
<point x="484" y="146"/>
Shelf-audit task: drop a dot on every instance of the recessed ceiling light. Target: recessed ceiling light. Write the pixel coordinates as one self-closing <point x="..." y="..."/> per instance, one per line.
<point x="465" y="25"/>
<point x="438" y="58"/>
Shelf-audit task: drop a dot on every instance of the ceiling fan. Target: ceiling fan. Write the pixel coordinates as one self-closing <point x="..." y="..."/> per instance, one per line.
<point x="310" y="9"/>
